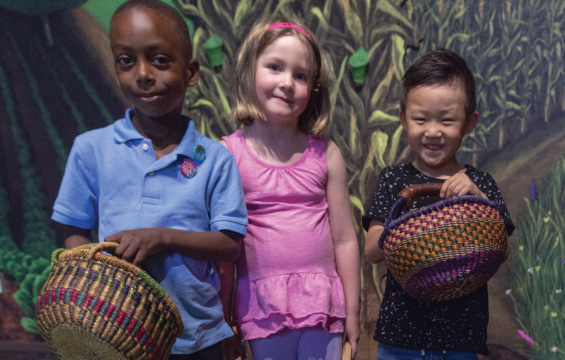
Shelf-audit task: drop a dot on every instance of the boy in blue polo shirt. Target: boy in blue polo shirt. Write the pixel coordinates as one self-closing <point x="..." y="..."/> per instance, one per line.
<point x="171" y="197"/>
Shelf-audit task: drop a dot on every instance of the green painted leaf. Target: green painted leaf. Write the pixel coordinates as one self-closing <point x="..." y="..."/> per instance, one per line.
<point x="513" y="106"/>
<point x="240" y="11"/>
<point x="379" y="117"/>
<point x="354" y="25"/>
<point x="29" y="324"/>
<point x="356" y="203"/>
<point x="379" y="141"/>
<point x="393" y="146"/>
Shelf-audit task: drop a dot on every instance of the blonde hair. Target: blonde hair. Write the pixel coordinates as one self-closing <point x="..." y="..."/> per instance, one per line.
<point x="315" y="119"/>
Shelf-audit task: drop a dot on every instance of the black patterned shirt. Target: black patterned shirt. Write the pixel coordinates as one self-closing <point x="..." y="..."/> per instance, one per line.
<point x="453" y="325"/>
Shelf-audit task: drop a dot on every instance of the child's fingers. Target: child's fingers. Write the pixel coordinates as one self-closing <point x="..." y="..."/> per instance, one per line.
<point x="353" y="350"/>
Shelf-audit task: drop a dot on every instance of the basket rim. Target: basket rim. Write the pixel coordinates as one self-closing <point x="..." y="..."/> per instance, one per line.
<point x="92" y="253"/>
<point x="391" y="223"/>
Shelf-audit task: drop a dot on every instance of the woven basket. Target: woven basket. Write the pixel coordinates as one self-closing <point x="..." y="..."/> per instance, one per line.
<point x="445" y="250"/>
<point x="97" y="306"/>
<point x="346" y="351"/>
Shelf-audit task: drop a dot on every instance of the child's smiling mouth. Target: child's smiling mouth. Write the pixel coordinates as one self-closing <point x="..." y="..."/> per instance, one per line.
<point x="148" y="96"/>
<point x="283" y="99"/>
<point x="433" y="147"/>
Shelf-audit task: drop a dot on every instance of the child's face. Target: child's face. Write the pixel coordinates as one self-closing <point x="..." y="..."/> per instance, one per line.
<point x="435" y="123"/>
<point x="283" y="79"/>
<point x="151" y="66"/>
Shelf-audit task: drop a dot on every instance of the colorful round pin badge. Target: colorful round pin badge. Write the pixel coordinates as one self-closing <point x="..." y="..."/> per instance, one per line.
<point x="199" y="153"/>
<point x="188" y="169"/>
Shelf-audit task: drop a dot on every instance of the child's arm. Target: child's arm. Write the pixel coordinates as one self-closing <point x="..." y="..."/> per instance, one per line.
<point x="136" y="245"/>
<point x="458" y="185"/>
<point x="372" y="251"/>
<point x="226" y="270"/>
<point x="346" y="247"/>
<point x="71" y="236"/>
<point x="231" y="346"/>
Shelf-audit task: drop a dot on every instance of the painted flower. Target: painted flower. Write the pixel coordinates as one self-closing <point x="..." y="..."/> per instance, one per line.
<point x="525" y="336"/>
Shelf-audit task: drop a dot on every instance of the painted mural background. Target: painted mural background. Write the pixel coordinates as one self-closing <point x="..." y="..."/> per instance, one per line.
<point x="56" y="81"/>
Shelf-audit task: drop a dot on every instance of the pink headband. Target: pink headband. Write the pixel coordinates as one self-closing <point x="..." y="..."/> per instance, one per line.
<point x="290" y="26"/>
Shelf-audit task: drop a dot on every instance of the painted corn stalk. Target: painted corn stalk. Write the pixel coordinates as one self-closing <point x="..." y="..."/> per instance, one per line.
<point x="515" y="51"/>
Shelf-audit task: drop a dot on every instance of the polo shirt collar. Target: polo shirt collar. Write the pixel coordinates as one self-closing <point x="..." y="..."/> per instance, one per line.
<point x="124" y="131"/>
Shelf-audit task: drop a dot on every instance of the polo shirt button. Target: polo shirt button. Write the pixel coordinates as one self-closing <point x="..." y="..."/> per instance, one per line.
<point x="152" y="173"/>
<point x="145" y="146"/>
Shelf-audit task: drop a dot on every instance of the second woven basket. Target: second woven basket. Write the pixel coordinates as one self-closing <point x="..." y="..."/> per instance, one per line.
<point x="97" y="306"/>
<point x="445" y="250"/>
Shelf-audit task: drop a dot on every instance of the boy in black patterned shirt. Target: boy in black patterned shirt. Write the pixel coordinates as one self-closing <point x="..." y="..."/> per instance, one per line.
<point x="438" y="108"/>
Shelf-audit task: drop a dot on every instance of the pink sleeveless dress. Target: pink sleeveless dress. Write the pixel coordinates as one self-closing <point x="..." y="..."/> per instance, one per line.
<point x="286" y="272"/>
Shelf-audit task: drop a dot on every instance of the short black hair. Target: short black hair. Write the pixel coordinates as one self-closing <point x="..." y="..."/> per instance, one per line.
<point x="439" y="67"/>
<point x="164" y="9"/>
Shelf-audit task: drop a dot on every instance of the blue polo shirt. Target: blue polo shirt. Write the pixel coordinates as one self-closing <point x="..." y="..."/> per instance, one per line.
<point x="114" y="182"/>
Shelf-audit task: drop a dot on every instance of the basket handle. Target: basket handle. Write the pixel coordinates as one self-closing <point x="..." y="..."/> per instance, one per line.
<point x="429" y="189"/>
<point x="404" y="198"/>
<point x="99" y="247"/>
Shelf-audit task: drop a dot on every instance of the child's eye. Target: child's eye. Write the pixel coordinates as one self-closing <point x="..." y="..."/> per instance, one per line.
<point x="160" y="60"/>
<point x="124" y="60"/>
<point x="301" y="77"/>
<point x="274" y="67"/>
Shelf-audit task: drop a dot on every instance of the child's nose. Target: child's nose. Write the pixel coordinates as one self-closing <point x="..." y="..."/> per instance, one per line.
<point x="143" y="73"/>
<point x="433" y="131"/>
<point x="287" y="81"/>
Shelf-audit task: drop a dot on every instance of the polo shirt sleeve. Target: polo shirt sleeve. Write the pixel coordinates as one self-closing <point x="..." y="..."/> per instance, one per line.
<point x="228" y="210"/>
<point x="76" y="203"/>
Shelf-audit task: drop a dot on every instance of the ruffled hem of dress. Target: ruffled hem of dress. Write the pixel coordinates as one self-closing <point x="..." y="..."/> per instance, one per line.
<point x="270" y="304"/>
<point x="260" y="329"/>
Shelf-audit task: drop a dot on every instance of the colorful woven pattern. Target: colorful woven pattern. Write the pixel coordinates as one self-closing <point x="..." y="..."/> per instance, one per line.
<point x="446" y="250"/>
<point x="116" y="308"/>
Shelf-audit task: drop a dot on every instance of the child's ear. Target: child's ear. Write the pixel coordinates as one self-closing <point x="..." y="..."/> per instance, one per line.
<point x="192" y="72"/>
<point x="472" y="121"/>
<point x="402" y="117"/>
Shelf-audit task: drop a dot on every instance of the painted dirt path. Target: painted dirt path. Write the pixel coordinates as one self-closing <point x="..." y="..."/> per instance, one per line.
<point x="514" y="170"/>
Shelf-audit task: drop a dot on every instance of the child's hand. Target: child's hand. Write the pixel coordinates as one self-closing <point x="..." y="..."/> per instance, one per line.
<point x="458" y="185"/>
<point x="232" y="348"/>
<point x="136" y="245"/>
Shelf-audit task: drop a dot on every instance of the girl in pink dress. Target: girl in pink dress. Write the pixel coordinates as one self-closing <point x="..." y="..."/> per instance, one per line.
<point x="298" y="273"/>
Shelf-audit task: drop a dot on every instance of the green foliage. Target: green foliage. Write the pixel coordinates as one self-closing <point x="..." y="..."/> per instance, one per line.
<point x="4" y="228"/>
<point x="538" y="291"/>
<point x="29" y="291"/>
<point x="78" y="71"/>
<point x="52" y="133"/>
<point x="30" y="273"/>
<point x="74" y="108"/>
<point x="514" y="49"/>
<point x="38" y="235"/>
